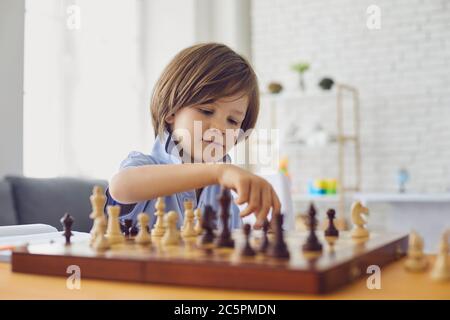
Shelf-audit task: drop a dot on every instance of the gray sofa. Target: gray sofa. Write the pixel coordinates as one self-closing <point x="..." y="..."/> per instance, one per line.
<point x="34" y="200"/>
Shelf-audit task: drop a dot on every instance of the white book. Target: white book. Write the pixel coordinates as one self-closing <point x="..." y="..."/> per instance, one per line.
<point x="13" y="236"/>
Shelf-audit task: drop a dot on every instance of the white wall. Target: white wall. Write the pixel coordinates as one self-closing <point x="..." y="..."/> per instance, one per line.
<point x="401" y="70"/>
<point x="11" y="85"/>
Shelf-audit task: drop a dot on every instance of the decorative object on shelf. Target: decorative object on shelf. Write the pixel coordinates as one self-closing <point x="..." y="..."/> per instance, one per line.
<point x="274" y="87"/>
<point x="402" y="178"/>
<point x="326" y="83"/>
<point x="283" y="166"/>
<point x="321" y="187"/>
<point x="301" y="67"/>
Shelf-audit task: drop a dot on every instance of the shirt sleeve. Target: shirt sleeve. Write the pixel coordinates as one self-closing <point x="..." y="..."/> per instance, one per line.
<point x="136" y="159"/>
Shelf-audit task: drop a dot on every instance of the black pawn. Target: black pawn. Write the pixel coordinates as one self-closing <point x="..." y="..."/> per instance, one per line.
<point x="127" y="224"/>
<point x="312" y="243"/>
<point x="247" y="251"/>
<point x="331" y="231"/>
<point x="265" y="239"/>
<point x="67" y="222"/>
<point x="209" y="215"/>
<point x="225" y="240"/>
<point x="278" y="249"/>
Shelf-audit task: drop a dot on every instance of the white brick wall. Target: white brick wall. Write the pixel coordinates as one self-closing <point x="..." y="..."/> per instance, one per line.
<point x="401" y="70"/>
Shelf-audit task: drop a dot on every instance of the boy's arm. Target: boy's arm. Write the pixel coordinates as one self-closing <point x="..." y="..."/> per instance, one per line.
<point x="135" y="184"/>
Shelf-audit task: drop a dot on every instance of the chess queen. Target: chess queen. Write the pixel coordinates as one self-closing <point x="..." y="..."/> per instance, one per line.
<point x="204" y="103"/>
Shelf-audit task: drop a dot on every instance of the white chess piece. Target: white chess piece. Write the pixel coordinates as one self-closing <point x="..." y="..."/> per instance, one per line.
<point x="98" y="200"/>
<point x="113" y="232"/>
<point x="159" y="228"/>
<point x="416" y="260"/>
<point x="188" y="229"/>
<point x="359" y="218"/>
<point x="198" y="224"/>
<point x="143" y="236"/>
<point x="101" y="243"/>
<point x="172" y="235"/>
<point x="441" y="268"/>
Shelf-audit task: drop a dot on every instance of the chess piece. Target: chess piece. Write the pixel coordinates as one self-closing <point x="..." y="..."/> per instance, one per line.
<point x="209" y="215"/>
<point x="265" y="239"/>
<point x="188" y="230"/>
<point x="67" y="222"/>
<point x="171" y="235"/>
<point x="159" y="228"/>
<point x="127" y="224"/>
<point x="143" y="236"/>
<point x="113" y="233"/>
<point x="97" y="229"/>
<point x="278" y="248"/>
<point x="416" y="260"/>
<point x="312" y="244"/>
<point x="331" y="233"/>
<point x="198" y="224"/>
<point x="224" y="240"/>
<point x="359" y="219"/>
<point x="247" y="250"/>
<point x="98" y="200"/>
<point x="101" y="243"/>
<point x="441" y="268"/>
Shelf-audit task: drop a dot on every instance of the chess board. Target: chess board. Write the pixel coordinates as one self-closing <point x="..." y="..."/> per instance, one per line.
<point x="187" y="264"/>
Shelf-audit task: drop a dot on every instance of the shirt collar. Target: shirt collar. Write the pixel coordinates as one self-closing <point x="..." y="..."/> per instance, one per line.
<point x="167" y="151"/>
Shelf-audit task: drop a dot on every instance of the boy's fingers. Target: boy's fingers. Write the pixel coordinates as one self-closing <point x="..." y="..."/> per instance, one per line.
<point x="266" y="199"/>
<point x="242" y="191"/>
<point x="276" y="204"/>
<point x="252" y="205"/>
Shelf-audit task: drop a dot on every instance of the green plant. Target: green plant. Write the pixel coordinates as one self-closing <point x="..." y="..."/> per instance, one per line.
<point x="300" y="67"/>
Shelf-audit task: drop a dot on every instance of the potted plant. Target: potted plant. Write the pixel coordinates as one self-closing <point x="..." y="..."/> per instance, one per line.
<point x="301" y="67"/>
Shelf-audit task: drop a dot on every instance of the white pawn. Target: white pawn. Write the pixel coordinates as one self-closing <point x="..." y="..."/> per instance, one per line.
<point x="98" y="200"/>
<point x="97" y="229"/>
<point x="416" y="260"/>
<point x="198" y="225"/>
<point x="159" y="228"/>
<point x="359" y="218"/>
<point x="188" y="230"/>
<point x="143" y="236"/>
<point x="172" y="235"/>
<point x="441" y="268"/>
<point x="113" y="232"/>
<point x="101" y="243"/>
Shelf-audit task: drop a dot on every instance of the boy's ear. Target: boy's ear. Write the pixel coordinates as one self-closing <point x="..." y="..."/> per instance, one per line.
<point x="170" y="118"/>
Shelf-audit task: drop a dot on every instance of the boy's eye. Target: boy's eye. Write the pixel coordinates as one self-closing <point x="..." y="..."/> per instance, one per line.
<point x="206" y="111"/>
<point x="233" y="122"/>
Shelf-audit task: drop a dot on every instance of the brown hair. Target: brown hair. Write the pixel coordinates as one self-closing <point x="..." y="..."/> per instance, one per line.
<point x="203" y="74"/>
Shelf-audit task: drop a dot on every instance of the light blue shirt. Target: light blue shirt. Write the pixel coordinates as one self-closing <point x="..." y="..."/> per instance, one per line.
<point x="165" y="152"/>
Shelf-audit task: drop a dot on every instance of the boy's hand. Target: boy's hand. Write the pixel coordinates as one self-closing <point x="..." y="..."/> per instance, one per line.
<point x="251" y="189"/>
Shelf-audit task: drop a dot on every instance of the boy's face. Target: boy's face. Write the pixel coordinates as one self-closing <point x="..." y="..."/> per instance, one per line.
<point x="207" y="132"/>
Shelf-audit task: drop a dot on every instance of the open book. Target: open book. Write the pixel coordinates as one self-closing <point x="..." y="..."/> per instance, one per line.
<point x="12" y="236"/>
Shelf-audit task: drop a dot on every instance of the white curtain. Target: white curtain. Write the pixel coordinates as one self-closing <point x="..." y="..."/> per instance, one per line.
<point x="85" y="96"/>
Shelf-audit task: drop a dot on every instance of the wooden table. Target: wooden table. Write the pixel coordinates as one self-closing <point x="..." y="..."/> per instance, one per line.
<point x="395" y="284"/>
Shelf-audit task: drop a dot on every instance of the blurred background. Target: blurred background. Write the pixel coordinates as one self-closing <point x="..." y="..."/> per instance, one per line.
<point x="358" y="92"/>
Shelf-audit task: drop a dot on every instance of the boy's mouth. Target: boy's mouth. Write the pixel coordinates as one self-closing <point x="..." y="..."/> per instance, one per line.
<point x="213" y="143"/>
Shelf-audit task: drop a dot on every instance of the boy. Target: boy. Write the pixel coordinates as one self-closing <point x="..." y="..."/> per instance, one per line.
<point x="206" y="92"/>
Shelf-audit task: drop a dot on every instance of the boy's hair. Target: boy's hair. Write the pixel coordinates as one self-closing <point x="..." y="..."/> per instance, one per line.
<point x="203" y="74"/>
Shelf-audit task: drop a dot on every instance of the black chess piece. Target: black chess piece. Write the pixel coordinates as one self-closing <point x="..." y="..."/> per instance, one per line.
<point x="224" y="240"/>
<point x="67" y="222"/>
<point x="331" y="231"/>
<point x="247" y="251"/>
<point x="312" y="243"/>
<point x="278" y="248"/>
<point x="265" y="239"/>
<point x="127" y="224"/>
<point x="209" y="215"/>
<point x="133" y="231"/>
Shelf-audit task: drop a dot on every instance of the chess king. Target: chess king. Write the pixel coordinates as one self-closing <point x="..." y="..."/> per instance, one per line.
<point x="204" y="103"/>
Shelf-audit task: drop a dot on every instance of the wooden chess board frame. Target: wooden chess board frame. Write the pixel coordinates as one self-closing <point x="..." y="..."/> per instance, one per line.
<point x="220" y="268"/>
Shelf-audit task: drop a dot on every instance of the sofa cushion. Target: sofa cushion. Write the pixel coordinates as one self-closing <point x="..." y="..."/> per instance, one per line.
<point x="7" y="211"/>
<point x="45" y="201"/>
